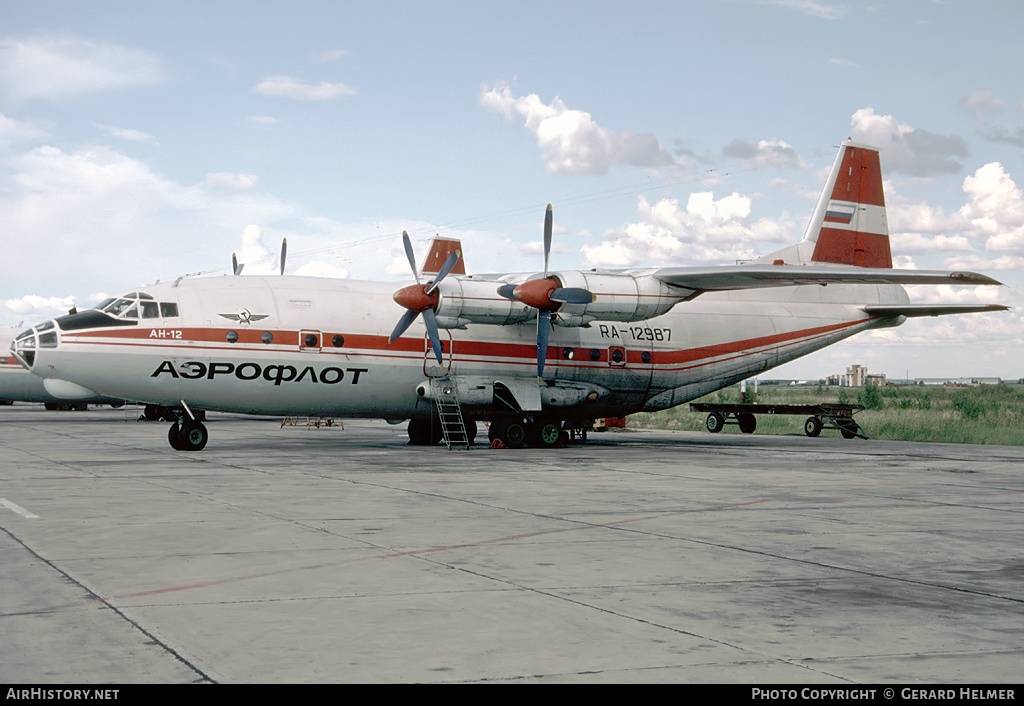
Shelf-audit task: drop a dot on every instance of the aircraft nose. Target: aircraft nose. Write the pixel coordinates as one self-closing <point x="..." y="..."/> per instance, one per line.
<point x="27" y="343"/>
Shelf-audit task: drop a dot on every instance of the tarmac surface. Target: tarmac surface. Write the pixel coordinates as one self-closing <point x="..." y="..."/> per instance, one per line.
<point x="345" y="555"/>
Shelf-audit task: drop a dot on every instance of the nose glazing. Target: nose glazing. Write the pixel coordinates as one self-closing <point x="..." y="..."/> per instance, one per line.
<point x="29" y="341"/>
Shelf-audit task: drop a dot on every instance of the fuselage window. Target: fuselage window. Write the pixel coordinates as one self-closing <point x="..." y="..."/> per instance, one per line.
<point x="168" y="309"/>
<point x="150" y="310"/>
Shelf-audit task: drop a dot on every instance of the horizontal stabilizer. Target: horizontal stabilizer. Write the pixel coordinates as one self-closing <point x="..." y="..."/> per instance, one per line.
<point x="716" y="279"/>
<point x="912" y="310"/>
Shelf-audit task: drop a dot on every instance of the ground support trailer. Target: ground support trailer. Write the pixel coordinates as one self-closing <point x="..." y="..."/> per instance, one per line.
<point x="822" y="416"/>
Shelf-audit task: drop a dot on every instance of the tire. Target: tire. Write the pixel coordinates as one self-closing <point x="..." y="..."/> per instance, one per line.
<point x="544" y="434"/>
<point x="510" y="432"/>
<point x="812" y="427"/>
<point x="193" y="436"/>
<point x="848" y="429"/>
<point x="174" y="437"/>
<point x="748" y="422"/>
<point x="715" y="422"/>
<point x="424" y="432"/>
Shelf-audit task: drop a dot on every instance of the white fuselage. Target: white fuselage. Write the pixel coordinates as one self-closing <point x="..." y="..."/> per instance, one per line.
<point x="295" y="345"/>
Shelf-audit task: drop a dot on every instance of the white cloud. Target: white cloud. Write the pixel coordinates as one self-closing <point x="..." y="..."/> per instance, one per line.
<point x="996" y="208"/>
<point x="990" y="121"/>
<point x="808" y="7"/>
<point x="297" y="89"/>
<point x="705" y="230"/>
<point x="32" y="308"/>
<point x="918" y="243"/>
<point x="59" y="66"/>
<point x="766" y="154"/>
<point x="126" y="133"/>
<point x="571" y="141"/>
<point x="229" y="180"/>
<point x="13" y="131"/>
<point x="97" y="216"/>
<point x="908" y="149"/>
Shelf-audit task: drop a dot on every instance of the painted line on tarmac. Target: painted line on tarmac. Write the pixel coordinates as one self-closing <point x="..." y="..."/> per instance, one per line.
<point x="18" y="509"/>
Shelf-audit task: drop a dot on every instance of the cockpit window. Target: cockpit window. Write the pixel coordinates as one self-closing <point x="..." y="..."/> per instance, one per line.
<point x="124" y="308"/>
<point x="131" y="305"/>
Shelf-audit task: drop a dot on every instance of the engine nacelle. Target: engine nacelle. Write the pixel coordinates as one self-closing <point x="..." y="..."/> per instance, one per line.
<point x="465" y="299"/>
<point x="617" y="297"/>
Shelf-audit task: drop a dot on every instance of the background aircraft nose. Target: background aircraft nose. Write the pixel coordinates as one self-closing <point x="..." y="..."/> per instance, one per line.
<point x="29" y="341"/>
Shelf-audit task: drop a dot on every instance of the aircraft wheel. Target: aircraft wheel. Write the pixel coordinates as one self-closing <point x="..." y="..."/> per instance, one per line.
<point x="192" y="436"/>
<point x="748" y="422"/>
<point x="424" y="432"/>
<point x="470" y="431"/>
<point x="544" y="434"/>
<point x="715" y="422"/>
<point x="174" y="437"/>
<point x="511" y="433"/>
<point x="812" y="427"/>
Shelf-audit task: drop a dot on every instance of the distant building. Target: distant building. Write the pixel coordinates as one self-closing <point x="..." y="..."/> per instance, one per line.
<point x="856" y="376"/>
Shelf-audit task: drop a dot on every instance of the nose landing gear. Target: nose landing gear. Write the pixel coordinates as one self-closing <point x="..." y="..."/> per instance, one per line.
<point x="187" y="433"/>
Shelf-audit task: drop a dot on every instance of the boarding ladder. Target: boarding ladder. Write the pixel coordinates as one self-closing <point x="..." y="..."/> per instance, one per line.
<point x="449" y="411"/>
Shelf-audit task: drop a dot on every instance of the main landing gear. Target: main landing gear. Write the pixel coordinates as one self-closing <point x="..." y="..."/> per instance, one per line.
<point x="515" y="433"/>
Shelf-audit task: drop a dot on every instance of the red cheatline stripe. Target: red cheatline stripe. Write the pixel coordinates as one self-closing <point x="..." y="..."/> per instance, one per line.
<point x="484" y="351"/>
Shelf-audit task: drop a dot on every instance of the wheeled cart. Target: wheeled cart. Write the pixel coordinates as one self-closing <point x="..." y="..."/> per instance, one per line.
<point x="822" y="416"/>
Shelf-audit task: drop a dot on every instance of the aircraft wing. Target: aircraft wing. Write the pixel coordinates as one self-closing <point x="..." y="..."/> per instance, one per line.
<point x="718" y="279"/>
<point x="912" y="310"/>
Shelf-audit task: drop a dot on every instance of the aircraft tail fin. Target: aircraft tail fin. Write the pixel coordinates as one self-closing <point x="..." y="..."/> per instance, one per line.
<point x="440" y="249"/>
<point x="849" y="226"/>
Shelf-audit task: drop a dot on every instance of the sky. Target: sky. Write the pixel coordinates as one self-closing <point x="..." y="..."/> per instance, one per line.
<point x="144" y="141"/>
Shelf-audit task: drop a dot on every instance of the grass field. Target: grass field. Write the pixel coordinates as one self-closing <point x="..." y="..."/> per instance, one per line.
<point x="985" y="414"/>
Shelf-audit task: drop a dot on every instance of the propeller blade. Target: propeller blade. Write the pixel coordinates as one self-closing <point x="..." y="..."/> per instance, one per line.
<point x="435" y="339"/>
<point x="403" y="323"/>
<point x="506" y="291"/>
<point x="284" y="252"/>
<point x="572" y="295"/>
<point x="548" y="219"/>
<point x="410" y="256"/>
<point x="445" y="269"/>
<point x="543" y="332"/>
<point x="235" y="267"/>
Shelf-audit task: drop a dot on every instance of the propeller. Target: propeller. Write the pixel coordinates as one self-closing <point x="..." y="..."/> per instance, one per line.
<point x="421" y="299"/>
<point x="235" y="267"/>
<point x="284" y="252"/>
<point x="546" y="295"/>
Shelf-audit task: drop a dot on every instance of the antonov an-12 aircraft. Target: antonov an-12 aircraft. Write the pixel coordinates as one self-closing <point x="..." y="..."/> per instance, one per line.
<point x="532" y="353"/>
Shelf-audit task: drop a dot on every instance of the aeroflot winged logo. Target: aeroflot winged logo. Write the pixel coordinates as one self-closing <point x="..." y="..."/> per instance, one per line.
<point x="245" y="317"/>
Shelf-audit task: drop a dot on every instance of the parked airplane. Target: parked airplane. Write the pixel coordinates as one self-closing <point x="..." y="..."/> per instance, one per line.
<point x="19" y="385"/>
<point x="531" y="353"/>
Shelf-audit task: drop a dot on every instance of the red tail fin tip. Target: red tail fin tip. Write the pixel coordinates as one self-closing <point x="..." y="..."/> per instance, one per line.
<point x="851" y="224"/>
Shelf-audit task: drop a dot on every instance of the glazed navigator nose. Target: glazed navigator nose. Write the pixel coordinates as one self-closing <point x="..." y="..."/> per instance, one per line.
<point x="29" y="341"/>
